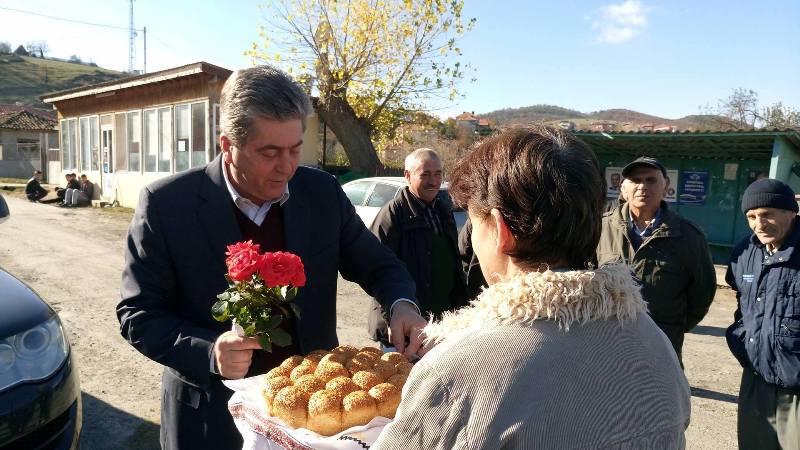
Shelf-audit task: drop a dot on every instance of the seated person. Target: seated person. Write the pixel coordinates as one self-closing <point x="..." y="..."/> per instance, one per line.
<point x="72" y="183"/>
<point x="33" y="189"/>
<point x="82" y="196"/>
<point x="555" y="353"/>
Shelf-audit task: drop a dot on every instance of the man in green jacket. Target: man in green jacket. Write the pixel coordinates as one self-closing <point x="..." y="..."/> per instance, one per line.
<point x="667" y="252"/>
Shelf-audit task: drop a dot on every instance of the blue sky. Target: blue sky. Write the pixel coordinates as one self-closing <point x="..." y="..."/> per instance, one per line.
<point x="665" y="58"/>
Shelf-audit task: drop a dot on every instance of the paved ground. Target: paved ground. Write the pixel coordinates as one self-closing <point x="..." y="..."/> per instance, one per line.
<point x="73" y="258"/>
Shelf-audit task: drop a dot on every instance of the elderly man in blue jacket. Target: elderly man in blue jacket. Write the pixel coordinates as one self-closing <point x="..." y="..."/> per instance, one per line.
<point x="765" y="336"/>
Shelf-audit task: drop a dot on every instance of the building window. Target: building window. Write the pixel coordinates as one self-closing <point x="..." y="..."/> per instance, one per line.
<point x="28" y="150"/>
<point x="182" y="131"/>
<point x="198" y="134"/>
<point x="85" y="157"/>
<point x="158" y="140"/>
<point x="190" y="136"/>
<point x="150" y="121"/>
<point x="69" y="144"/>
<point x="134" y="132"/>
<point x="121" y="155"/>
<point x="64" y="132"/>
<point x="94" y="138"/>
<point x="165" y="130"/>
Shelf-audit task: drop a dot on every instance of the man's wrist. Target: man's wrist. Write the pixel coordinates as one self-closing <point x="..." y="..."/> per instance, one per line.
<point x="391" y="309"/>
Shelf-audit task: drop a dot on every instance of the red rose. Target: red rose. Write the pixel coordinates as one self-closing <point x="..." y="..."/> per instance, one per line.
<point x="282" y="269"/>
<point x="243" y="260"/>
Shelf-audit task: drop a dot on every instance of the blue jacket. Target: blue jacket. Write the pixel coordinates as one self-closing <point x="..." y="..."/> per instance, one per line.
<point x="765" y="335"/>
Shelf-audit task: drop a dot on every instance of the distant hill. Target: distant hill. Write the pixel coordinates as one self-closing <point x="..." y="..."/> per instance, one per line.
<point x="23" y="79"/>
<point x="528" y="114"/>
<point x="618" y="119"/>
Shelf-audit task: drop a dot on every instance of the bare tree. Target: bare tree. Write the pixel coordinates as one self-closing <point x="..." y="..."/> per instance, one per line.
<point x="780" y="116"/>
<point x="5" y="47"/>
<point x="741" y="108"/>
<point x="43" y="49"/>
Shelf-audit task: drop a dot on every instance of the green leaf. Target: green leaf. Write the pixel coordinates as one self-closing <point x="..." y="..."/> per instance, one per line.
<point x="220" y="311"/>
<point x="273" y="322"/>
<point x="264" y="341"/>
<point x="280" y="337"/>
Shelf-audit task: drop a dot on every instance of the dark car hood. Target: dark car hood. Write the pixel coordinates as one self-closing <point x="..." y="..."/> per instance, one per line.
<point x="20" y="307"/>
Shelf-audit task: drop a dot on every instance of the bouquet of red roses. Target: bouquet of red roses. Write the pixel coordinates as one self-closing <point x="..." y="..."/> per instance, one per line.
<point x="261" y="287"/>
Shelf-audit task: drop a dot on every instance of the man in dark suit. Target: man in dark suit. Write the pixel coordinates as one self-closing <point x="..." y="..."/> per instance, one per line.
<point x="175" y="258"/>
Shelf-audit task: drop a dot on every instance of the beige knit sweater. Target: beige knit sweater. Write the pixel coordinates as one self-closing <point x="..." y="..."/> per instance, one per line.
<point x="546" y="361"/>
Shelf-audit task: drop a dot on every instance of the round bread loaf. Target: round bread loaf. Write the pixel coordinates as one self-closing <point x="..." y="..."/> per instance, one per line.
<point x="342" y="386"/>
<point x="292" y="362"/>
<point x="291" y="406"/>
<point x="366" y="379"/>
<point x="394" y="358"/>
<point x="384" y="369"/>
<point x="279" y="371"/>
<point x="309" y="384"/>
<point x="325" y="413"/>
<point x="358" y="408"/>
<point x="329" y="370"/>
<point x="316" y="355"/>
<point x="328" y="392"/>
<point x="348" y="349"/>
<point x="372" y="350"/>
<point x="387" y="397"/>
<point x="272" y="387"/>
<point x="361" y="361"/>
<point x="404" y="368"/>
<point x="302" y="369"/>
<point x="398" y="380"/>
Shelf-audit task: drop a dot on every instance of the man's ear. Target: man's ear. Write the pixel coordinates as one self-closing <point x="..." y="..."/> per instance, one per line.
<point x="407" y="175"/>
<point x="504" y="238"/>
<point x="226" y="145"/>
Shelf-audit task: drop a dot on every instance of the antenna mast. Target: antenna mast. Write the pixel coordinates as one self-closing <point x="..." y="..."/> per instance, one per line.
<point x="131" y="40"/>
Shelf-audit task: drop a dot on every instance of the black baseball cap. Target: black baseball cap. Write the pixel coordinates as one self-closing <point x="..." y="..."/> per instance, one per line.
<point x="643" y="161"/>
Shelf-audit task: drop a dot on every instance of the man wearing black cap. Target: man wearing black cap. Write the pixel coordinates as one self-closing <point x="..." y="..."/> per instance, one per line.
<point x="667" y="252"/>
<point x="765" y="337"/>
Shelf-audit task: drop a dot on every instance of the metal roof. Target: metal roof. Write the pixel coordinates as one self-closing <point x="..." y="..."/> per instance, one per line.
<point x="137" y="80"/>
<point x="739" y="144"/>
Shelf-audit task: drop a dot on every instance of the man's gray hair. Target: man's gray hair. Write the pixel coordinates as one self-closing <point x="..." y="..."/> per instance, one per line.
<point x="413" y="158"/>
<point x="260" y="92"/>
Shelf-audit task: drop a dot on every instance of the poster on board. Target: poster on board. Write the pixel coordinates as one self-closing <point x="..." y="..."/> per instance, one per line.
<point x="613" y="181"/>
<point x="672" y="186"/>
<point x="694" y="187"/>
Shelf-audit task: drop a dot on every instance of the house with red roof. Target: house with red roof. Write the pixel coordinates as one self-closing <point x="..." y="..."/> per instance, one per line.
<point x="25" y="135"/>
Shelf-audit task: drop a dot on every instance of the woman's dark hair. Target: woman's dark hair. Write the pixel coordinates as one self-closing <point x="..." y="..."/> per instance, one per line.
<point x="547" y="185"/>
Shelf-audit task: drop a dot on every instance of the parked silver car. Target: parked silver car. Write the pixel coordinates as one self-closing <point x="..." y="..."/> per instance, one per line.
<point x="368" y="195"/>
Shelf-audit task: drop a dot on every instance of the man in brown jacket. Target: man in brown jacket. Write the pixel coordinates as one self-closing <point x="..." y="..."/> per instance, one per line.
<point x="667" y="252"/>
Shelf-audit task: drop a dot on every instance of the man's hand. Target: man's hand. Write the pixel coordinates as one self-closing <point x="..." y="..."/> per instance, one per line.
<point x="406" y="322"/>
<point x="233" y="354"/>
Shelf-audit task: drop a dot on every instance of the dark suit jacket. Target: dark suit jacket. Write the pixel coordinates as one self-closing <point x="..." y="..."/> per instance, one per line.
<point x="175" y="267"/>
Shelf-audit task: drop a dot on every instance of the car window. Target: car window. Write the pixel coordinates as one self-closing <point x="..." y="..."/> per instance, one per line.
<point x="382" y="194"/>
<point x="356" y="192"/>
